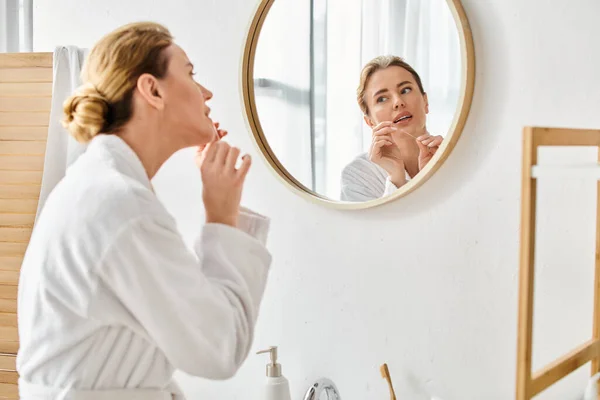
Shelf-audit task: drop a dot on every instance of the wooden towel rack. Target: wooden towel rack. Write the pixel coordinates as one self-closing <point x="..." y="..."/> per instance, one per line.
<point x="530" y="384"/>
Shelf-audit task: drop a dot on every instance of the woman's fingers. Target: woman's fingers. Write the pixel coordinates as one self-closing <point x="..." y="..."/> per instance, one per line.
<point x="383" y="124"/>
<point x="232" y="158"/>
<point x="209" y="153"/>
<point x="436" y="142"/>
<point x="382" y="141"/>
<point x="428" y="146"/>
<point x="422" y="148"/>
<point x="221" y="152"/>
<point x="245" y="167"/>
<point x="430" y="141"/>
<point x="221" y="133"/>
<point x="384" y="131"/>
<point x="386" y="125"/>
<point x="425" y="139"/>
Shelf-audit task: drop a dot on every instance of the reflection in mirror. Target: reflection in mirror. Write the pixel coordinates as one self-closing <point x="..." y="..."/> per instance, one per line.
<point x="354" y="97"/>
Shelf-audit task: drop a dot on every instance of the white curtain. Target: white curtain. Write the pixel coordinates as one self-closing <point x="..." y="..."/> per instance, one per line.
<point x="343" y="142"/>
<point x="16" y="26"/>
<point x="431" y="45"/>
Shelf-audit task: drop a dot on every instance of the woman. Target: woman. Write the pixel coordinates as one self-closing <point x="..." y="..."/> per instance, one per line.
<point x="395" y="107"/>
<point x="111" y="301"/>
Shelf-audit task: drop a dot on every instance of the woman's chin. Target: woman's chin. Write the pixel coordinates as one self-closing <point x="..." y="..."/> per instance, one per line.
<point x="204" y="137"/>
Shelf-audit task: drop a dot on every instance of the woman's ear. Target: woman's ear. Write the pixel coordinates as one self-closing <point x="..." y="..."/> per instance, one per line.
<point x="368" y="121"/>
<point x="426" y="103"/>
<point x="150" y="90"/>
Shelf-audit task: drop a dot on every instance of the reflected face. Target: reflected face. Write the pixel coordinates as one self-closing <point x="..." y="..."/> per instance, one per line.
<point x="392" y="94"/>
<point x="186" y="110"/>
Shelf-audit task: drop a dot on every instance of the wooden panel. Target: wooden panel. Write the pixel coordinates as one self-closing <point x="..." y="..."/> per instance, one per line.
<point x="9" y="277"/>
<point x="12" y="249"/>
<point x="8" y="320"/>
<point x="9" y="377"/>
<point x="24" y="118"/>
<point x="25" y="89"/>
<point x="8" y="305"/>
<point x="8" y="298"/>
<point x="25" y="101"/>
<point x="8" y="292"/>
<point x="9" y="391"/>
<point x="20" y="178"/>
<point x="9" y="339"/>
<point x="9" y="333"/>
<point x="23" y="132"/>
<point x="21" y="163"/>
<point x="9" y="264"/>
<point x="9" y="348"/>
<point x="9" y="269"/>
<point x="26" y="60"/>
<point x="8" y="362"/>
<point x="18" y="192"/>
<point x="25" y="104"/>
<point x="18" y="206"/>
<point x="26" y="75"/>
<point x="29" y="147"/>
<point x="17" y="220"/>
<point x="15" y="234"/>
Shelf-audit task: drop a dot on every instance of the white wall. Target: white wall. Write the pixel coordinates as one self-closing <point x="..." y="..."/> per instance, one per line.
<point x="429" y="283"/>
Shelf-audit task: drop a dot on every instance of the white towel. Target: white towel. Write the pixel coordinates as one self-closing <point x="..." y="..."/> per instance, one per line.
<point x="61" y="148"/>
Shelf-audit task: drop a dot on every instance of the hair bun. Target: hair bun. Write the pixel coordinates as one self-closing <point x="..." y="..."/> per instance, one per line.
<point x="85" y="113"/>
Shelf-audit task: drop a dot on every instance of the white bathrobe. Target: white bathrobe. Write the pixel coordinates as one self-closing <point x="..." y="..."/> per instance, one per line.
<point x="363" y="180"/>
<point x="111" y="301"/>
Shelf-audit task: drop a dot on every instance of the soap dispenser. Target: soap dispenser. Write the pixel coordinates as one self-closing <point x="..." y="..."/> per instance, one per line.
<point x="276" y="386"/>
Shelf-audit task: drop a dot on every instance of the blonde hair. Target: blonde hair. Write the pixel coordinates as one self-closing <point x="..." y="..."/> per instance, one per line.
<point x="110" y="73"/>
<point x="376" y="64"/>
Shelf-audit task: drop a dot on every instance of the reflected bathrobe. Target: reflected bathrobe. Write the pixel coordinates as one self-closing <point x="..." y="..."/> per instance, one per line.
<point x="363" y="180"/>
<point x="111" y="301"/>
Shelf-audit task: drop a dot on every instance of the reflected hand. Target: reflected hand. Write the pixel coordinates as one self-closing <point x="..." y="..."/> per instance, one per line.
<point x="428" y="146"/>
<point x="385" y="153"/>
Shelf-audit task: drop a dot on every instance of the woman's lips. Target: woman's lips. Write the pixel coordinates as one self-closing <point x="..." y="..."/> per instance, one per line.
<point x="403" y="120"/>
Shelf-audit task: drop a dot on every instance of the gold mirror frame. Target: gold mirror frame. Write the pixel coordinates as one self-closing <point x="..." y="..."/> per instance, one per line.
<point x="458" y="123"/>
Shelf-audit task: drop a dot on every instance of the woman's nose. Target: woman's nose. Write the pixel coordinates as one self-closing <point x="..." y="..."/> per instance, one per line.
<point x="205" y="92"/>
<point x="398" y="103"/>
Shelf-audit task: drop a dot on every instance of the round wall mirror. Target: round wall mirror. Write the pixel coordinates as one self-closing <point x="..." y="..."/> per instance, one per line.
<point x="355" y="103"/>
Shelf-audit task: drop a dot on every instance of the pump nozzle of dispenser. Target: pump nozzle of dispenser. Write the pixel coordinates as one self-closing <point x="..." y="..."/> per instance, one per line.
<point x="273" y="368"/>
<point x="276" y="386"/>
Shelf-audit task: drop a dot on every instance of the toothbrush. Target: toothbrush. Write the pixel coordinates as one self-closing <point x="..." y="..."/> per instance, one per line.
<point x="385" y="373"/>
